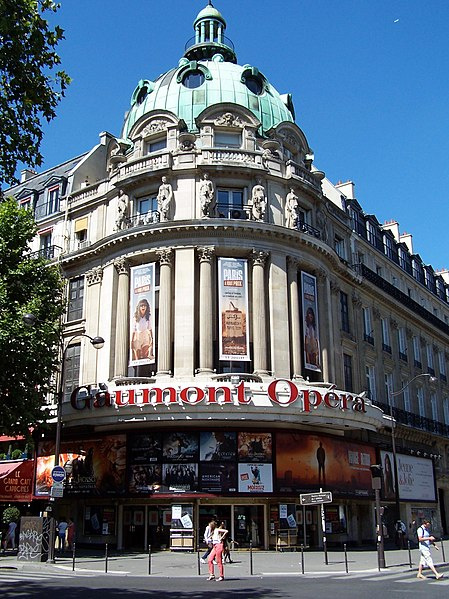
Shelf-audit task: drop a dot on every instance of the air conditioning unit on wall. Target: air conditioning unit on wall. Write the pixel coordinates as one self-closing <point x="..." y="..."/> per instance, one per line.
<point x="82" y="245"/>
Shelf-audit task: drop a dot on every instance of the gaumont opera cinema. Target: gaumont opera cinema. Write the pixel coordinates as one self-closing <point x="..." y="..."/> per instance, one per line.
<point x="262" y="331"/>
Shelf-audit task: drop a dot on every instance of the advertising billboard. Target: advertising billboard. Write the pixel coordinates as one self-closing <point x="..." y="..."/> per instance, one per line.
<point x="415" y="477"/>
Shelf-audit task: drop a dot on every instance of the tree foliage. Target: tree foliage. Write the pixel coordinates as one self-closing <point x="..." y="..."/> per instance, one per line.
<point x="29" y="356"/>
<point x="30" y="90"/>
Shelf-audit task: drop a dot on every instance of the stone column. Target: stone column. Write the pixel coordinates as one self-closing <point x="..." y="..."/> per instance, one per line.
<point x="94" y="278"/>
<point x="205" y="256"/>
<point x="295" y="326"/>
<point x="164" y="343"/>
<point x="121" y="354"/>
<point x="259" y="259"/>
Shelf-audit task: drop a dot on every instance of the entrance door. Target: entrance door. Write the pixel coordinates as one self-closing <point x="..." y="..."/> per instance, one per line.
<point x="134" y="528"/>
<point x="249" y="525"/>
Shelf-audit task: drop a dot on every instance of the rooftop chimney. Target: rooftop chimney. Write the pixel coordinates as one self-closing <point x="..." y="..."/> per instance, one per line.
<point x="26" y="174"/>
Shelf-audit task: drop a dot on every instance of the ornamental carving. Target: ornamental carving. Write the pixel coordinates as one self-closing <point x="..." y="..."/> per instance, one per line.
<point x="205" y="254"/>
<point x="335" y="288"/>
<point x="292" y="263"/>
<point x="155" y="127"/>
<point x="95" y="275"/>
<point x="356" y="300"/>
<point x="289" y="139"/>
<point x="259" y="258"/>
<point x="227" y="119"/>
<point x="121" y="266"/>
<point x="376" y="313"/>
<point x="165" y="257"/>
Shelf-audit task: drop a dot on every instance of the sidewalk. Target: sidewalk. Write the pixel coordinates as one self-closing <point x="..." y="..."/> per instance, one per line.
<point x="264" y="563"/>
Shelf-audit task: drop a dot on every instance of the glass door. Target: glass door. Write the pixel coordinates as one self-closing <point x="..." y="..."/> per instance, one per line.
<point x="249" y="525"/>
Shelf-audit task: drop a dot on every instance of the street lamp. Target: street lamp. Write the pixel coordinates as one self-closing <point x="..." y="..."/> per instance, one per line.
<point x="97" y="343"/>
<point x="432" y="379"/>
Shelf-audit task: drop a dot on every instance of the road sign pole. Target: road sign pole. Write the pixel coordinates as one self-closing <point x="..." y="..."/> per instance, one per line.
<point x="323" y="527"/>
<point x="304" y="524"/>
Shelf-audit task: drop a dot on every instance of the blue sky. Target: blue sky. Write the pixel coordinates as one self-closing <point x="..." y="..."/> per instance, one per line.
<point x="369" y="80"/>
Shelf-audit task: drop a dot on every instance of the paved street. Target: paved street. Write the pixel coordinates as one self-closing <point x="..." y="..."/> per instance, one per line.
<point x="179" y="575"/>
<point x="100" y="586"/>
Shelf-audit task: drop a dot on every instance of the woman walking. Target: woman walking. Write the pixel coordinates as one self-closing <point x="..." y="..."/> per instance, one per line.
<point x="217" y="553"/>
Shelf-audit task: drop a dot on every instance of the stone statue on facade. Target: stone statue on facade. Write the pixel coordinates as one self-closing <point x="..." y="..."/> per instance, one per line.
<point x="164" y="199"/>
<point x="122" y="213"/>
<point x="258" y="201"/>
<point x="291" y="210"/>
<point x="207" y="196"/>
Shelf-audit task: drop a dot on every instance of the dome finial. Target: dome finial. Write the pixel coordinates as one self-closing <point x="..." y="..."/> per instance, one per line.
<point x="210" y="39"/>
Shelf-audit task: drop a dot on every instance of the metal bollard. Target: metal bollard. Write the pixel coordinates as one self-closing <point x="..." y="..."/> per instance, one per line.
<point x="198" y="562"/>
<point x="106" y="558"/>
<point x="302" y="559"/>
<point x="149" y="560"/>
<point x="346" y="558"/>
<point x="73" y="557"/>
<point x="409" y="555"/>
<point x="251" y="558"/>
<point x="442" y="551"/>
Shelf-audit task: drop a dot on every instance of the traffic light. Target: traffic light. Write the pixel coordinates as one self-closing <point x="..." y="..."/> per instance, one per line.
<point x="376" y="471"/>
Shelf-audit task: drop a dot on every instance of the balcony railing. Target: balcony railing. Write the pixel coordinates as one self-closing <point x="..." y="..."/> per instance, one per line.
<point x="48" y="253"/>
<point x="405" y="300"/>
<point x="305" y="228"/>
<point x="146" y="218"/>
<point x="415" y="420"/>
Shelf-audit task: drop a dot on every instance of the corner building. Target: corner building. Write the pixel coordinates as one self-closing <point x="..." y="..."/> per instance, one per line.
<point x="258" y="327"/>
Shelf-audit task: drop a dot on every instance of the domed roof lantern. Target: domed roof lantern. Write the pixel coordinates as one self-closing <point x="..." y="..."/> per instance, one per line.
<point x="209" y="38"/>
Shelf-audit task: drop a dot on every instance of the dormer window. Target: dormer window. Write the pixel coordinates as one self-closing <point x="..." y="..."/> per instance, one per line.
<point x="156" y="145"/>
<point x="25" y="203"/>
<point x="53" y="199"/>
<point x="193" y="79"/>
<point x="254" y="84"/>
<point x="224" y="139"/>
<point x="142" y="95"/>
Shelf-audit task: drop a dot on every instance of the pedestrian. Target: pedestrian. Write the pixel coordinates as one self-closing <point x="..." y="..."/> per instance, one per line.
<point x="425" y="541"/>
<point x="401" y="531"/>
<point x="217" y="553"/>
<point x="226" y="546"/>
<point x="10" y="536"/>
<point x="208" y="540"/>
<point x="71" y="534"/>
<point x="62" y="529"/>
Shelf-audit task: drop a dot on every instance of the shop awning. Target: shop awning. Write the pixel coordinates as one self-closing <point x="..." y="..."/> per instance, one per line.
<point x="16" y="480"/>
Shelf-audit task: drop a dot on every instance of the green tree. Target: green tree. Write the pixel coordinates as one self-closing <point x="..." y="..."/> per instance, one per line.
<point x="29" y="356"/>
<point x="30" y="90"/>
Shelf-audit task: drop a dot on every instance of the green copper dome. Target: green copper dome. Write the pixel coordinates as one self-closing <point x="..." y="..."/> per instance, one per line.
<point x="208" y="75"/>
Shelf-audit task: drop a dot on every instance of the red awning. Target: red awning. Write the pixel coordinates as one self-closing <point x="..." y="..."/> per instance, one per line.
<point x="16" y="480"/>
<point x="4" y="439"/>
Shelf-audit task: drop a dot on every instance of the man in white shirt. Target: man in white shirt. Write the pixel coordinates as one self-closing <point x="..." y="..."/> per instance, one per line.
<point x="425" y="540"/>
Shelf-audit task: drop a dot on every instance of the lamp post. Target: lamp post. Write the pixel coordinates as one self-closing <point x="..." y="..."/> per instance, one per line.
<point x="97" y="343"/>
<point x="432" y="379"/>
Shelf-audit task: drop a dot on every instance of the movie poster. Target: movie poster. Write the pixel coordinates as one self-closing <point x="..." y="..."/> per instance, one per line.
<point x="233" y="309"/>
<point x="143" y="478"/>
<point x="142" y="309"/>
<point x="145" y="448"/>
<point x="218" y="446"/>
<point x="93" y="466"/>
<point x="312" y="350"/>
<point x="218" y="478"/>
<point x="255" y="447"/>
<point x="180" y="477"/>
<point x="310" y="462"/>
<point x="255" y="478"/>
<point x="180" y="447"/>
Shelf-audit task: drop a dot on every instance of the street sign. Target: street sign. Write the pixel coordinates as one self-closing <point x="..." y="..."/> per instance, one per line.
<point x="58" y="474"/>
<point x="315" y="498"/>
<point x="57" y="490"/>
